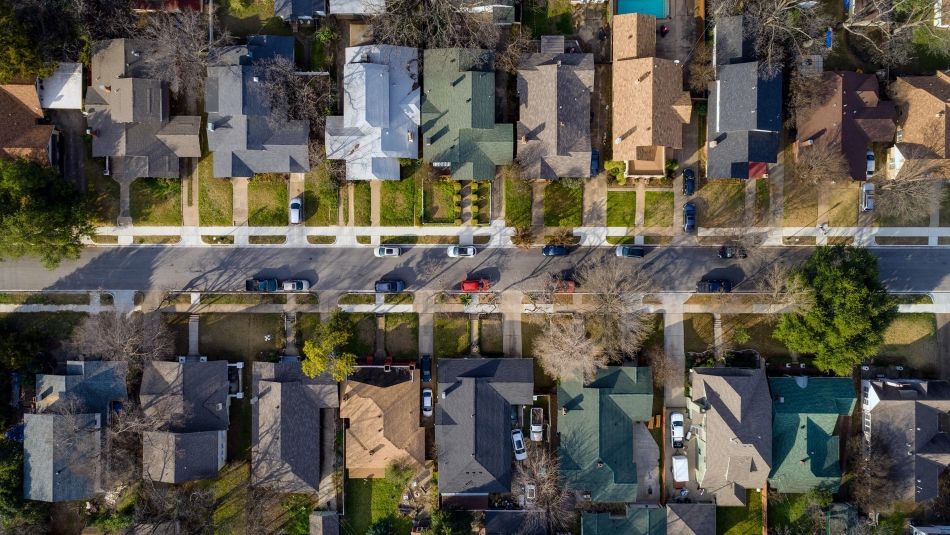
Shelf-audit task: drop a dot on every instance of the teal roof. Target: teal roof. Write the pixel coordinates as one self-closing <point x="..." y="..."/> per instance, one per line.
<point x="458" y="114"/>
<point x="640" y="520"/>
<point x="805" y="447"/>
<point x="598" y="428"/>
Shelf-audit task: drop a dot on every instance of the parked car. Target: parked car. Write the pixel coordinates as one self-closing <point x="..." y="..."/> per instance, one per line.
<point x="296" y="209"/>
<point x="537" y="424"/>
<point x="629" y="251"/>
<point x="867" y="197"/>
<point x="517" y="440"/>
<point x="475" y="285"/>
<point x="462" y="251"/>
<point x="714" y="286"/>
<point x="689" y="182"/>
<point x="680" y="471"/>
<point x="425" y="364"/>
<point x="594" y="163"/>
<point x="389" y="286"/>
<point x="261" y="285"/>
<point x="554" y="250"/>
<point x="689" y="218"/>
<point x="677" y="431"/>
<point x="871" y="163"/>
<point x="728" y="251"/>
<point x="295" y="285"/>
<point x="561" y="286"/>
<point x="427" y="402"/>
<point x="384" y="251"/>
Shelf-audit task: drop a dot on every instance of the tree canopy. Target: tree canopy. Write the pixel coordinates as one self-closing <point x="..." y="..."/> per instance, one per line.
<point x="850" y="311"/>
<point x="39" y="215"/>
<point x="19" y="57"/>
<point x="324" y="352"/>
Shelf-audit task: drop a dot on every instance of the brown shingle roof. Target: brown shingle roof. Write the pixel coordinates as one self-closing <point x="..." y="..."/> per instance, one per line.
<point x="20" y="135"/>
<point x="922" y="101"/>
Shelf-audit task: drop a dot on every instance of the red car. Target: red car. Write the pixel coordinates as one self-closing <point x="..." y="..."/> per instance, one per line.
<point x="475" y="285"/>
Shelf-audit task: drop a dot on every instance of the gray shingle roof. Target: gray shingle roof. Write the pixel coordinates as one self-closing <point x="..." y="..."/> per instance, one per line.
<point x="93" y="383"/>
<point x="691" y="519"/>
<point x="324" y="523"/>
<point x="512" y="523"/>
<point x="291" y="10"/>
<point x="732" y="45"/>
<point x="473" y="422"/>
<point x="285" y="426"/>
<point x="179" y="457"/>
<point x="61" y="457"/>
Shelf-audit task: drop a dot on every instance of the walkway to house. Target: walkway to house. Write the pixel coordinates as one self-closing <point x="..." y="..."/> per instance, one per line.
<point x="239" y="196"/>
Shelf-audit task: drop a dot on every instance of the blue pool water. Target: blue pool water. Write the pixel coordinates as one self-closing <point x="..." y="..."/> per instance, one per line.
<point x="658" y="8"/>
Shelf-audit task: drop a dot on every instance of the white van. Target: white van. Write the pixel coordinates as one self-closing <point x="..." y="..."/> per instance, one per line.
<point x="867" y="197"/>
<point x="680" y="471"/>
<point x="295" y="208"/>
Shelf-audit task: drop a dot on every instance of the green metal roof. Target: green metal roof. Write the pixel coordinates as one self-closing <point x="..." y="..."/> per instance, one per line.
<point x="805" y="448"/>
<point x="596" y="446"/>
<point x="640" y="520"/>
<point x="458" y="114"/>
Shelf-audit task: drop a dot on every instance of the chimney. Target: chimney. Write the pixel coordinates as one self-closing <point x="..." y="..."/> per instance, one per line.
<point x="712" y="144"/>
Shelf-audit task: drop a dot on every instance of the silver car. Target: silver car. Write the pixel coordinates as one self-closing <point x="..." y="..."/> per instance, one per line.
<point x="461" y="251"/>
<point x="517" y="440"/>
<point x="427" y="402"/>
<point x="384" y="251"/>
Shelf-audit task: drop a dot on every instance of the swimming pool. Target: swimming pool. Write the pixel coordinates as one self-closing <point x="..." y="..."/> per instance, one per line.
<point x="658" y="8"/>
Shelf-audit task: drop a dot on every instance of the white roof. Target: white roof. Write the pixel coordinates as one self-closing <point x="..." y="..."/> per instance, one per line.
<point x="352" y="7"/>
<point x="63" y="89"/>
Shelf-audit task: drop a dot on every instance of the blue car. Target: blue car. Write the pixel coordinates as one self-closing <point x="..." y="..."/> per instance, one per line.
<point x="425" y="364"/>
<point x="689" y="218"/>
<point x="594" y="163"/>
<point x="389" y="286"/>
<point x="554" y="250"/>
<point x="689" y="182"/>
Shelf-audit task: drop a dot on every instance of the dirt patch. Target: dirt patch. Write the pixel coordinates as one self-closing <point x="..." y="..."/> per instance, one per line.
<point x="491" y="337"/>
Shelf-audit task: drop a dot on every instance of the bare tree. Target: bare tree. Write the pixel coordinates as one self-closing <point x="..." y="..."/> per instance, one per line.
<point x="432" y="24"/>
<point x="869" y="478"/>
<point x="296" y="96"/>
<point x="887" y="30"/>
<point x="661" y="366"/>
<point x="777" y="280"/>
<point x="613" y="311"/>
<point x="912" y="190"/>
<point x="701" y="71"/>
<point x="133" y="338"/>
<point x="566" y="352"/>
<point x="552" y="508"/>
<point x="821" y="163"/>
<point x="516" y="46"/>
<point x="806" y="92"/>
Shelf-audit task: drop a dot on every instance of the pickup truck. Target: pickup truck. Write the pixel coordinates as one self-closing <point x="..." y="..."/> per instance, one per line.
<point x="261" y="285"/>
<point x="537" y="424"/>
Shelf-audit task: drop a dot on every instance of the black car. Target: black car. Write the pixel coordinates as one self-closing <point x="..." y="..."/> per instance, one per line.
<point x="727" y="251"/>
<point x="425" y="364"/>
<point x="689" y="218"/>
<point x="554" y="250"/>
<point x="389" y="286"/>
<point x="629" y="251"/>
<point x="714" y="286"/>
<point x="689" y="182"/>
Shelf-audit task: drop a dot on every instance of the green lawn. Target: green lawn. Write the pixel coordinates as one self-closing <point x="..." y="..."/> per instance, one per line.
<point x="321" y="199"/>
<point x="658" y="209"/>
<point x="248" y="17"/>
<point x="215" y="196"/>
<point x="697" y="332"/>
<point x="399" y="203"/>
<point x="402" y="335"/>
<point x="760" y="328"/>
<point x="517" y="203"/>
<point x="552" y="18"/>
<point x="912" y="340"/>
<point x="363" y="331"/>
<point x="741" y="520"/>
<point x="721" y="203"/>
<point x="563" y="204"/>
<point x="230" y="497"/>
<point x="621" y="208"/>
<point x="439" y="202"/>
<point x="369" y="500"/>
<point x="362" y="204"/>
<point x="945" y="207"/>
<point x="155" y="201"/>
<point x="789" y="510"/>
<point x="101" y="191"/>
<point x="452" y="334"/>
<point x="267" y="201"/>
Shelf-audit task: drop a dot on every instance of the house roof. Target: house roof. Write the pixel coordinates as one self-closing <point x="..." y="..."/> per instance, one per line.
<point x="512" y="522"/>
<point x="62" y="89"/>
<point x="380" y="121"/>
<point x="354" y="7"/>
<point x="924" y="121"/>
<point x="246" y="136"/>
<point x="639" y="520"/>
<point x="554" y="115"/>
<point x="475" y="451"/>
<point x="91" y="383"/>
<point x="650" y="106"/>
<point x="285" y="426"/>
<point x="179" y="457"/>
<point x="383" y="412"/>
<point x="186" y="396"/>
<point x="458" y="114"/>
<point x="21" y="135"/>
<point x="324" y="523"/>
<point x="596" y="431"/>
<point x="299" y="9"/>
<point x="733" y="408"/>
<point x="61" y="456"/>
<point x="691" y="519"/>
<point x="852" y="117"/>
<point x="805" y="446"/>
<point x="731" y="42"/>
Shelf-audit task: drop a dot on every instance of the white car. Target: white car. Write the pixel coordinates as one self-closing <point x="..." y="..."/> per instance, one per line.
<point x="427" y="402"/>
<point x="517" y="440"/>
<point x="871" y="163"/>
<point x="867" y="197"/>
<point x="296" y="285"/>
<point x="296" y="209"/>
<point x="461" y="251"/>
<point x="384" y="251"/>
<point x="677" y="430"/>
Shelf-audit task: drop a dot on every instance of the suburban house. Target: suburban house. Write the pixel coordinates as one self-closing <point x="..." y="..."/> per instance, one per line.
<point x="188" y="402"/>
<point x="732" y="411"/>
<point x="473" y="422"/>
<point x="381" y="408"/>
<point x="63" y="440"/>
<point x="909" y="420"/>
<point x="745" y="108"/>
<point x="851" y="118"/>
<point x="522" y="522"/>
<point x="554" y="87"/>
<point x="23" y="133"/>
<point x="923" y="122"/>
<point x="286" y="426"/>
<point x="128" y="115"/>
<point x="245" y="133"/>
<point x="501" y="12"/>
<point x="650" y="106"/>
<point x="808" y="415"/>
<point x="637" y="520"/>
<point x="380" y="121"/>
<point x="300" y="10"/>
<point x="61" y="90"/>
<point x="354" y="8"/>
<point x="691" y="518"/>
<point x="596" y="423"/>
<point x="458" y="114"/>
<point x="324" y="523"/>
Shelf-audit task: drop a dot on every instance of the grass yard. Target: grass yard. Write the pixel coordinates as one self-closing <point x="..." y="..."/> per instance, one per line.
<point x="550" y="18"/>
<point x="920" y="219"/>
<point x="363" y="339"/>
<point x="369" y="500"/>
<point x="759" y="328"/>
<point x="843" y="205"/>
<point x="321" y="199"/>
<point x="491" y="335"/>
<point x="399" y="203"/>
<point x="267" y="201"/>
<point x="452" y="335"/>
<point x="563" y="203"/>
<point x="248" y="17"/>
<point x="362" y="204"/>
<point x="912" y="340"/>
<point x="215" y="196"/>
<point x="240" y="336"/>
<point x="230" y="497"/>
<point x="155" y="202"/>
<point x="763" y="202"/>
<point x="720" y="203"/>
<point x="439" y="204"/>
<point x="402" y="335"/>
<point x="517" y="203"/>
<point x="658" y="209"/>
<point x="621" y="208"/>
<point x="101" y="191"/>
<point x="801" y="198"/>
<point x="741" y="520"/>
<point x="697" y="332"/>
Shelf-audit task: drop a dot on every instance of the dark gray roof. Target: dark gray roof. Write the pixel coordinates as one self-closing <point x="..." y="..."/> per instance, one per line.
<point x="691" y="519"/>
<point x="179" y="457"/>
<point x="61" y="457"/>
<point x="731" y="43"/>
<point x="299" y="9"/>
<point x="472" y="421"/>
<point x="324" y="523"/>
<point x="186" y="396"/>
<point x="512" y="523"/>
<point x="285" y="428"/>
<point x="92" y="383"/>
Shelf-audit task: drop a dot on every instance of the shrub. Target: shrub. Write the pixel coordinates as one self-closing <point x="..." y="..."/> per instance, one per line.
<point x="615" y="168"/>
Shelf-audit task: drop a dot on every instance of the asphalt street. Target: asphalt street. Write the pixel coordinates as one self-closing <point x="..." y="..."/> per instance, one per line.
<point x="328" y="269"/>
